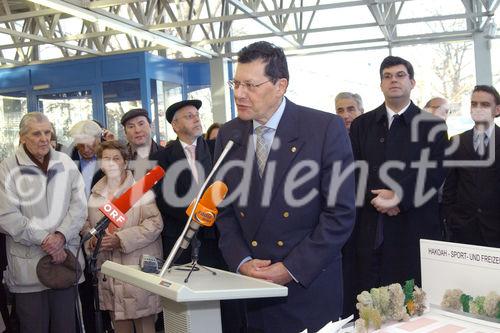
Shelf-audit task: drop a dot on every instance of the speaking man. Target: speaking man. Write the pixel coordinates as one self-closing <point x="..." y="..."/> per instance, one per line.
<point x="280" y="225"/>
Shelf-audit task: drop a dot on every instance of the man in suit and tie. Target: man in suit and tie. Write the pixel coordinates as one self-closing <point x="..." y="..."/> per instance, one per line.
<point x="399" y="203"/>
<point x="472" y="191"/>
<point x="190" y="155"/>
<point x="282" y="222"/>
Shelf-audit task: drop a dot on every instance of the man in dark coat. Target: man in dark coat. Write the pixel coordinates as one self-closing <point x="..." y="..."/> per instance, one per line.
<point x="288" y="218"/>
<point x="399" y="149"/>
<point x="176" y="190"/>
<point x="472" y="189"/>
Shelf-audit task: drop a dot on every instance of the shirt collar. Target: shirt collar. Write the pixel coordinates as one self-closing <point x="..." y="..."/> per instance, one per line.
<point x="184" y="145"/>
<point x="274" y="121"/>
<point x="85" y="161"/>
<point x="488" y="132"/>
<point x="391" y="113"/>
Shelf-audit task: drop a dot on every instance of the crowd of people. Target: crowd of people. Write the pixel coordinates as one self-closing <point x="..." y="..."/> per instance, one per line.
<point x="326" y="205"/>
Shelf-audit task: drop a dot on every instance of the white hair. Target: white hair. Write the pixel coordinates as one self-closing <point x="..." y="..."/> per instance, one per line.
<point x="30" y="117"/>
<point x="353" y="96"/>
<point x="88" y="128"/>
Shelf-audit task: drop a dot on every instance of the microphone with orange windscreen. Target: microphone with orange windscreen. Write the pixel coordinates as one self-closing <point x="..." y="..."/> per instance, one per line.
<point x="204" y="214"/>
<point x="206" y="211"/>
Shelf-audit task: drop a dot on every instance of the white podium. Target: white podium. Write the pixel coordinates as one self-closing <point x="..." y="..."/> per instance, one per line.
<point x="194" y="306"/>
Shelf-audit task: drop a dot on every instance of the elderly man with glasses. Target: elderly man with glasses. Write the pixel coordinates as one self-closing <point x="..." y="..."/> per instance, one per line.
<point x="190" y="156"/>
<point x="285" y="223"/>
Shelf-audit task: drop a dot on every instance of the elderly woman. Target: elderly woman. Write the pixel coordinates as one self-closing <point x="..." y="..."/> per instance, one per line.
<point x="129" y="306"/>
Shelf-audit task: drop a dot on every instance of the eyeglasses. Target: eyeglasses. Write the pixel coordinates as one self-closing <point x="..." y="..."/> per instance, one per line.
<point x="399" y="75"/>
<point x="234" y="84"/>
<point x="189" y="116"/>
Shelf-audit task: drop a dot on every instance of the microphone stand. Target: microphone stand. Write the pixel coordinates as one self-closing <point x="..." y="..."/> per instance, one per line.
<point x="95" y="282"/>
<point x="172" y="255"/>
<point x="195" y="254"/>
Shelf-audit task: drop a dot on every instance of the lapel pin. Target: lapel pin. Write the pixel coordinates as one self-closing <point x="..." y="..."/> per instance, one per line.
<point x="294" y="149"/>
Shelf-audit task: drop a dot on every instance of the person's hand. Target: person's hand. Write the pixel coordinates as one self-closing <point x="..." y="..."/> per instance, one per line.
<point x="393" y="211"/>
<point x="110" y="242"/>
<point x="92" y="243"/>
<point x="53" y="243"/>
<point x="276" y="273"/>
<point x="251" y="267"/>
<point x="58" y="257"/>
<point x="107" y="135"/>
<point x="385" y="201"/>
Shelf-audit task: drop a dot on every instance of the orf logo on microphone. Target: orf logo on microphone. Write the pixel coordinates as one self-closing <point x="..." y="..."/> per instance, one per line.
<point x="205" y="218"/>
<point x="114" y="214"/>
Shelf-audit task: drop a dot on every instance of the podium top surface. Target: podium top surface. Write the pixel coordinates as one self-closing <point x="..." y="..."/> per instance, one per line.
<point x="202" y="285"/>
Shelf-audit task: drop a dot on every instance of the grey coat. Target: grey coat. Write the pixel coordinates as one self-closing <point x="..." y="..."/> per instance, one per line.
<point x="34" y="205"/>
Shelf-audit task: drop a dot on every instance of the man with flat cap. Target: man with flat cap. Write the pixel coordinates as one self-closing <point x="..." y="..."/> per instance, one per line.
<point x="187" y="161"/>
<point x="137" y="126"/>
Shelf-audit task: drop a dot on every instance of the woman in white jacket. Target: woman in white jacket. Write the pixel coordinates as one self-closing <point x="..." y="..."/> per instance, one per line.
<point x="129" y="305"/>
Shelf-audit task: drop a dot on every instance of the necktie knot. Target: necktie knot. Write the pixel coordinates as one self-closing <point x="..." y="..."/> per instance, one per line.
<point x="262" y="130"/>
<point x="394" y="120"/>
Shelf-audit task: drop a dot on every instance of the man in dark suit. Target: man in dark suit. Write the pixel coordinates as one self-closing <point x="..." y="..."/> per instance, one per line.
<point x="283" y="222"/>
<point x="472" y="188"/>
<point x="190" y="155"/>
<point x="400" y="150"/>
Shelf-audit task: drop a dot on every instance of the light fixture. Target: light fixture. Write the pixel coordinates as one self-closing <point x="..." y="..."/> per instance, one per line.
<point x="125" y="26"/>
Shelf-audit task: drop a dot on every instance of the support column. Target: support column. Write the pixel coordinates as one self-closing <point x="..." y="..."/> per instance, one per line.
<point x="221" y="101"/>
<point x="482" y="57"/>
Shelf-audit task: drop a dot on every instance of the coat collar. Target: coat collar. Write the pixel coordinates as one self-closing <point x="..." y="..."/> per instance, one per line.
<point x="408" y="115"/>
<point x="24" y="160"/>
<point x="100" y="188"/>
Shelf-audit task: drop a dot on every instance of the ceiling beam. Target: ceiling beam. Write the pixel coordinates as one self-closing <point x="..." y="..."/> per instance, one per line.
<point x="247" y="10"/>
<point x="47" y="41"/>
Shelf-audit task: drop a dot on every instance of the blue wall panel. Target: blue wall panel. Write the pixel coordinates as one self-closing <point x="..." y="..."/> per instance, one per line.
<point x="162" y="69"/>
<point x="123" y="66"/>
<point x="196" y="74"/>
<point x="14" y="77"/>
<point x="63" y="74"/>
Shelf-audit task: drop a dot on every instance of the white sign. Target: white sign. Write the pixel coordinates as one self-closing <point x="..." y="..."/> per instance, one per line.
<point x="473" y="269"/>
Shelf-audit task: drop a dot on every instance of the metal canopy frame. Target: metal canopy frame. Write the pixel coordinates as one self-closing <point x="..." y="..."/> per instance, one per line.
<point x="213" y="28"/>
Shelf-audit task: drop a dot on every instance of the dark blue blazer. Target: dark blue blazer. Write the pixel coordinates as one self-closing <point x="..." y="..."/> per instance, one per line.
<point x="306" y="237"/>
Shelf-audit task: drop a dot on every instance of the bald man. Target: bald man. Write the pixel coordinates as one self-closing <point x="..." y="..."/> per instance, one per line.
<point x="438" y="106"/>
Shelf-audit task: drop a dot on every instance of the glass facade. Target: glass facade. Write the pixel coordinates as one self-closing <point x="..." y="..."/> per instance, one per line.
<point x="120" y="97"/>
<point x="64" y="109"/>
<point x="13" y="106"/>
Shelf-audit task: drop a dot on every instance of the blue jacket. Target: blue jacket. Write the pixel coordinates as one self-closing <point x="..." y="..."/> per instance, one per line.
<point x="307" y="237"/>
